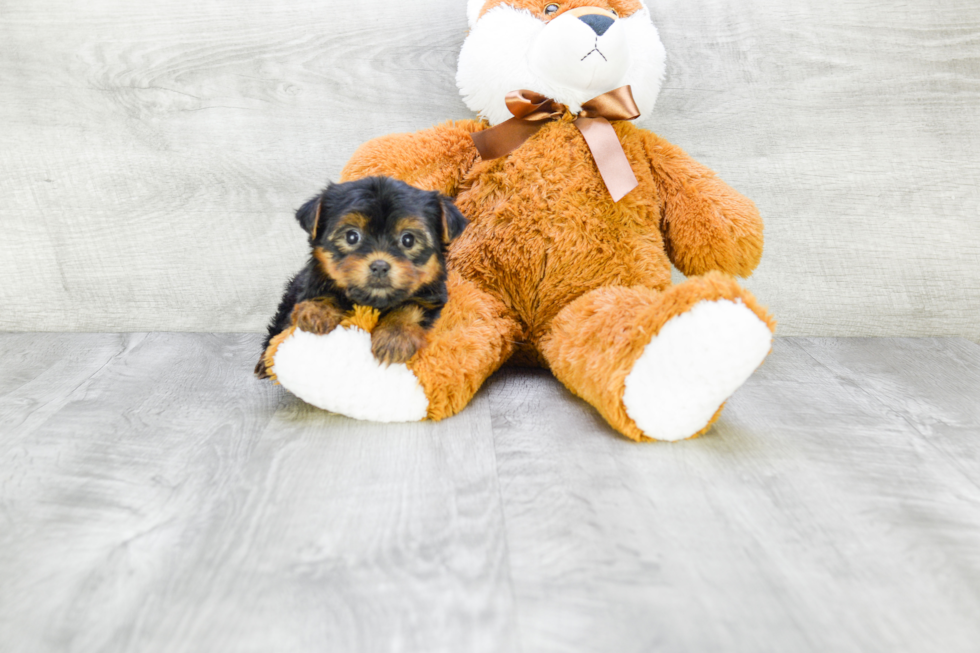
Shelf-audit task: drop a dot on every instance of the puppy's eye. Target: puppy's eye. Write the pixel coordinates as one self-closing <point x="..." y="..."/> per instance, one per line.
<point x="614" y="13"/>
<point x="352" y="237"/>
<point x="551" y="9"/>
<point x="408" y="240"/>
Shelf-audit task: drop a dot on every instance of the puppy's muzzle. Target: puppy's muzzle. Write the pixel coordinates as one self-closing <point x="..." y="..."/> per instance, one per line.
<point x="379" y="269"/>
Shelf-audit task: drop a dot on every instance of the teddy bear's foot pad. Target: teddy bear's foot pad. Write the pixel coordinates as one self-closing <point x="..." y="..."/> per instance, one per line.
<point x="696" y="361"/>
<point x="337" y="372"/>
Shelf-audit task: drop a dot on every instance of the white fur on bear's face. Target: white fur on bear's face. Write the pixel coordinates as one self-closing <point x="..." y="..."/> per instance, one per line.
<point x="510" y="49"/>
<point x="570" y="55"/>
<point x="474" y="7"/>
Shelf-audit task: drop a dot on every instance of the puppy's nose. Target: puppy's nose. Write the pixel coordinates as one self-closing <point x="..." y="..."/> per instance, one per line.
<point x="597" y="22"/>
<point x="380" y="267"/>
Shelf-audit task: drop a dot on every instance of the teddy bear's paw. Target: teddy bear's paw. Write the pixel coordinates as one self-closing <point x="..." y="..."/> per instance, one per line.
<point x="696" y="361"/>
<point x="338" y="372"/>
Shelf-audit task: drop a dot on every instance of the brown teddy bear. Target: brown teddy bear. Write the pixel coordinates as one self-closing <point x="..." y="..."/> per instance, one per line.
<point x="575" y="217"/>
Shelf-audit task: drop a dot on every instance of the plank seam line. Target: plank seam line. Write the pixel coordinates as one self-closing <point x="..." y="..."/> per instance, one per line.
<point x="503" y="519"/>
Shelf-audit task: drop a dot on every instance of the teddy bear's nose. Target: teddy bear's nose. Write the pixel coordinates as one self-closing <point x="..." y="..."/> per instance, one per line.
<point x="597" y="22"/>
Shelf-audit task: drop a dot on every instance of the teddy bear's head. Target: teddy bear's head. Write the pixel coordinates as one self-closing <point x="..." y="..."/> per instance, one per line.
<point x="570" y="51"/>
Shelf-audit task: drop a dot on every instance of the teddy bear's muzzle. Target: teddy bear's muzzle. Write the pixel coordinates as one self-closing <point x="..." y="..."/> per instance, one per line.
<point x="597" y="22"/>
<point x="587" y="52"/>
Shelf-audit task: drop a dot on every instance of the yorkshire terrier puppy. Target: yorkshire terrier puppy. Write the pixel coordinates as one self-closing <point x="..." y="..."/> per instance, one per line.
<point x="375" y="242"/>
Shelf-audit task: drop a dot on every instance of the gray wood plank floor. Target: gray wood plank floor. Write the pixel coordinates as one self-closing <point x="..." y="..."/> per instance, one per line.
<point x="155" y="497"/>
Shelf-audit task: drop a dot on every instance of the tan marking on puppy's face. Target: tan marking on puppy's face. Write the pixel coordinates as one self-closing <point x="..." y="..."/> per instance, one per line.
<point x="340" y="271"/>
<point x="404" y="276"/>
<point x="419" y="228"/>
<point x="351" y="271"/>
<point x="346" y="271"/>
<point x="411" y="277"/>
<point x="411" y="223"/>
<point x="351" y="247"/>
<point x="396" y="275"/>
<point x="354" y="271"/>
<point x="429" y="271"/>
<point x="351" y="222"/>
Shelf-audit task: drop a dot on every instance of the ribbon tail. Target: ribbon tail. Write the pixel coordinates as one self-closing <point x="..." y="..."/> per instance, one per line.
<point x="609" y="156"/>
<point x="506" y="137"/>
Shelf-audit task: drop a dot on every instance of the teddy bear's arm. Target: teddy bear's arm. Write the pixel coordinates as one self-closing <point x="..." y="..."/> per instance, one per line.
<point x="432" y="159"/>
<point x="706" y="224"/>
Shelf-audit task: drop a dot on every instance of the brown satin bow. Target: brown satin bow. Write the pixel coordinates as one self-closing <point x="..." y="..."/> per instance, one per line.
<point x="532" y="111"/>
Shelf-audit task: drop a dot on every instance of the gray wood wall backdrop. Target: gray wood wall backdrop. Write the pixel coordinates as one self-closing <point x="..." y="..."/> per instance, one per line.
<point x="151" y="153"/>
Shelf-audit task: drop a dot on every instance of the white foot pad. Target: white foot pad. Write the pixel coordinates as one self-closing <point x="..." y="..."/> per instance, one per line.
<point x="692" y="366"/>
<point x="338" y="372"/>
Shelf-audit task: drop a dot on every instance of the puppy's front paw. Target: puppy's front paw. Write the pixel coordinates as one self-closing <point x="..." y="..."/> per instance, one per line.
<point x="394" y="345"/>
<point x="318" y="316"/>
<point x="261" y="371"/>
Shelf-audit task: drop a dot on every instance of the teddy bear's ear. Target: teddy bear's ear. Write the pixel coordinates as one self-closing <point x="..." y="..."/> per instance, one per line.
<point x="453" y="221"/>
<point x="310" y="215"/>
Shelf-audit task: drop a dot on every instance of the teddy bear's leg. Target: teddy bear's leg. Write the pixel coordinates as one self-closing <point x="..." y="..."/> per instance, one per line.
<point x="337" y="371"/>
<point x="659" y="364"/>
<point x="473" y="337"/>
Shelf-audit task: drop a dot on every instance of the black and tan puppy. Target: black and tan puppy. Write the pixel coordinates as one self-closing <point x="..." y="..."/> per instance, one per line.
<point x="376" y="242"/>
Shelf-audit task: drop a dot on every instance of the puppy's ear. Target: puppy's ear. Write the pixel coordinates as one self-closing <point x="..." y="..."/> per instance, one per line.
<point x="453" y="221"/>
<point x="310" y="215"/>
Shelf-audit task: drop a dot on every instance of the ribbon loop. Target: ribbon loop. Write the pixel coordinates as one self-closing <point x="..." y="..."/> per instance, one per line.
<point x="617" y="104"/>
<point x="528" y="105"/>
<point x="532" y="111"/>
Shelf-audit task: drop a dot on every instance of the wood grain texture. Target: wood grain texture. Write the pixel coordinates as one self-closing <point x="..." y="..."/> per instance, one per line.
<point x="813" y="518"/>
<point x="932" y="385"/>
<point x="152" y="153"/>
<point x="154" y="496"/>
<point x="852" y="125"/>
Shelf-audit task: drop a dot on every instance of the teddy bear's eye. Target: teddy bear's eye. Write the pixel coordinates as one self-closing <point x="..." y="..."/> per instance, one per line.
<point x="352" y="237"/>
<point x="550" y="9"/>
<point x="408" y="240"/>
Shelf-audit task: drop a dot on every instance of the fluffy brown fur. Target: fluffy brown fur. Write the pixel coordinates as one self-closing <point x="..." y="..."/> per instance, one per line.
<point x="551" y="271"/>
<point x="593" y="343"/>
<point x="473" y="337"/>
